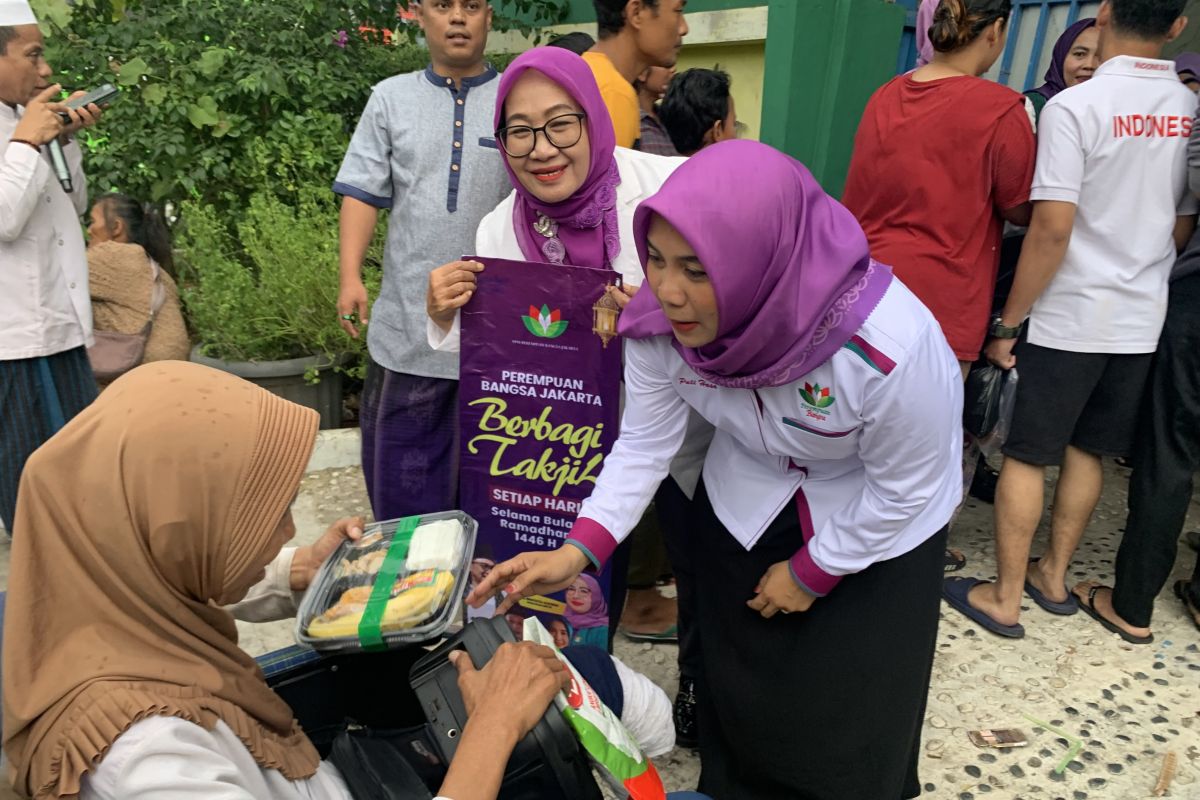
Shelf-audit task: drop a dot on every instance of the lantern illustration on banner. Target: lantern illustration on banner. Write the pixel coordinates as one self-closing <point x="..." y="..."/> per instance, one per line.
<point x="604" y="317"/>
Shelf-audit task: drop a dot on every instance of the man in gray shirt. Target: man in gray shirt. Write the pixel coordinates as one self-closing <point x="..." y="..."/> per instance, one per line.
<point x="424" y="149"/>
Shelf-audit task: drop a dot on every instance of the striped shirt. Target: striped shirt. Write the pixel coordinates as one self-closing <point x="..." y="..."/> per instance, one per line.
<point x="654" y="138"/>
<point x="426" y="151"/>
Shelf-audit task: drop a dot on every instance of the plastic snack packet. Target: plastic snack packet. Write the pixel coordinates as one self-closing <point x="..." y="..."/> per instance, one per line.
<point x="612" y="749"/>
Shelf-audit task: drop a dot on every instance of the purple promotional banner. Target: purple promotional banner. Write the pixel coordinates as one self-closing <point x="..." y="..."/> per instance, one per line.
<point x="538" y="412"/>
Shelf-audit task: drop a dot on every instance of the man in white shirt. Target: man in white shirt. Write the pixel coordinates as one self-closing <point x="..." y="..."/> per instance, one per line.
<point x="45" y="378"/>
<point x="1111" y="208"/>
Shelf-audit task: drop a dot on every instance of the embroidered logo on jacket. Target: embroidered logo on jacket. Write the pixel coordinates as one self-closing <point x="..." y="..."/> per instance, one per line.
<point x="817" y="396"/>
<point x="544" y="323"/>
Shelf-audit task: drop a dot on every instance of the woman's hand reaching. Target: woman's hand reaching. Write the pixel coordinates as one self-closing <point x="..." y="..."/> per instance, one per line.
<point x="536" y="572"/>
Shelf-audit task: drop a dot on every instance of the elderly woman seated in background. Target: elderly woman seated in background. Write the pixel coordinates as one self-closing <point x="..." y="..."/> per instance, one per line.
<point x="129" y="249"/>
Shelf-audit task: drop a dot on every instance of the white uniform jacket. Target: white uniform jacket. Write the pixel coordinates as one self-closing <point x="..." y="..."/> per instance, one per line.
<point x="868" y="446"/>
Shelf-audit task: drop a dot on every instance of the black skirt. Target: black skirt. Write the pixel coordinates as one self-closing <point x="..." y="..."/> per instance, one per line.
<point x="826" y="704"/>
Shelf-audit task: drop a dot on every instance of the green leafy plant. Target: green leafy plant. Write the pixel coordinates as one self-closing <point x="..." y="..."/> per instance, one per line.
<point x="204" y="80"/>
<point x="236" y="114"/>
<point x="269" y="290"/>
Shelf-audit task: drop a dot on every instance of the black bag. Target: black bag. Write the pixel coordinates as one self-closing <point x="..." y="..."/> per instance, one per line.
<point x="548" y="764"/>
<point x="981" y="398"/>
<point x="368" y="688"/>
<point x="361" y="713"/>
<point x="376" y="764"/>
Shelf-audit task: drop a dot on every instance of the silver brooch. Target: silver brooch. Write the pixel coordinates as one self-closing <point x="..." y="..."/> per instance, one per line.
<point x="545" y="227"/>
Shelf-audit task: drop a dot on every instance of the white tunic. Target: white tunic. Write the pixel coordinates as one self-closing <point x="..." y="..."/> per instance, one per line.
<point x="167" y="758"/>
<point x="872" y="437"/>
<point x="44" y="301"/>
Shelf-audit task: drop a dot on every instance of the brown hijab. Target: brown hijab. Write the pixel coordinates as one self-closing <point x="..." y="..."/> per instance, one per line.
<point x="136" y="519"/>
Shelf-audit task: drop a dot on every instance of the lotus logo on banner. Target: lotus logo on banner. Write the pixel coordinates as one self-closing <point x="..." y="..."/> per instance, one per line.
<point x="545" y="324"/>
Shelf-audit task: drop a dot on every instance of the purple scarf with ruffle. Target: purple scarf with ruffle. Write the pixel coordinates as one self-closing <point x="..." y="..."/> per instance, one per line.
<point x="588" y="234"/>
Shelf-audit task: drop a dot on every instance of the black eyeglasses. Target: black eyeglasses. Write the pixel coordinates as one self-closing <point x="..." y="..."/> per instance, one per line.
<point x="562" y="132"/>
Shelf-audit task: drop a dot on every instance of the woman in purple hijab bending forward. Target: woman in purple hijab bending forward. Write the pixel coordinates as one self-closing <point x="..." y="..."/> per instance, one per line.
<point x="819" y="525"/>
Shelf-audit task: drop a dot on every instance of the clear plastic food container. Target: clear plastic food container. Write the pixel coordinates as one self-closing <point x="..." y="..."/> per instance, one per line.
<point x="400" y="584"/>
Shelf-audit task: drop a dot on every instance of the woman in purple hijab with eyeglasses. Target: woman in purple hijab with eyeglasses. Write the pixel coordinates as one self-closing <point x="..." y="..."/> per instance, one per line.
<point x="574" y="190"/>
<point x="818" y="529"/>
<point x="573" y="202"/>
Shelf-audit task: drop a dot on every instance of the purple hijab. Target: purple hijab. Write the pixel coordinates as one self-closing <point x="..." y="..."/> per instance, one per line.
<point x="1188" y="62"/>
<point x="594" y="617"/>
<point x="1056" y="80"/>
<point x="587" y="221"/>
<point x="789" y="265"/>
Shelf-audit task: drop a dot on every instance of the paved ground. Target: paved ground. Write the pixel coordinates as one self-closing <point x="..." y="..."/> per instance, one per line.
<point x="1128" y="706"/>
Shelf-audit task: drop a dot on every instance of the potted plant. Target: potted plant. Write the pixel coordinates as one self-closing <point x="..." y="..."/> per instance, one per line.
<point x="262" y="299"/>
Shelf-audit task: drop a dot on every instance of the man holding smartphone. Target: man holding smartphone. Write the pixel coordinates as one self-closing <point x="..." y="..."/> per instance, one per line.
<point x="45" y="378"/>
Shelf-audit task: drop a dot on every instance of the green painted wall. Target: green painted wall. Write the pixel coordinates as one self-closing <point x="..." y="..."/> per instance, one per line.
<point x="805" y="90"/>
<point x="824" y="60"/>
<point x="744" y="63"/>
<point x="1190" y="40"/>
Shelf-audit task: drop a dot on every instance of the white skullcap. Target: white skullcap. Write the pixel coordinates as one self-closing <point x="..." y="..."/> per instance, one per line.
<point x="16" y="12"/>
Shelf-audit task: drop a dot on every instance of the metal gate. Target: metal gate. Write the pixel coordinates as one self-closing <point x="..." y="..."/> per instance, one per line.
<point x="1034" y="28"/>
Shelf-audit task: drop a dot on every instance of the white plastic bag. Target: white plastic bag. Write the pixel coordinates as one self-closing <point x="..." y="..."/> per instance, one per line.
<point x="613" y="751"/>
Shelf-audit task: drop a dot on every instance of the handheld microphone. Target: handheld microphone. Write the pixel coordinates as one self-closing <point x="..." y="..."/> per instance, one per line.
<point x="59" y="162"/>
<point x="102" y="96"/>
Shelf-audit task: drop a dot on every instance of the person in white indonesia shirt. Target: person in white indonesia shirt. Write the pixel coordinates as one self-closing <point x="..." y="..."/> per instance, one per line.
<point x="1111" y="210"/>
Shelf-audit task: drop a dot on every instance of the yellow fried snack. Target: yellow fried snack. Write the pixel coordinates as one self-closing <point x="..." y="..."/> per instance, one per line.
<point x="363" y="565"/>
<point x="414" y="600"/>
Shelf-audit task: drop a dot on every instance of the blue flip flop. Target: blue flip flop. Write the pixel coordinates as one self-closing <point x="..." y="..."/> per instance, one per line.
<point x="1064" y="609"/>
<point x="955" y="590"/>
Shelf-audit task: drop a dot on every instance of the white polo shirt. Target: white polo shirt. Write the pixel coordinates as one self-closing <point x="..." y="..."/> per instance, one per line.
<point x="1116" y="147"/>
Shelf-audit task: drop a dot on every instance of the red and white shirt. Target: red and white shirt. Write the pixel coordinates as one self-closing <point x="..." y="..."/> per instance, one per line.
<point x="1116" y="147"/>
<point x="867" y="447"/>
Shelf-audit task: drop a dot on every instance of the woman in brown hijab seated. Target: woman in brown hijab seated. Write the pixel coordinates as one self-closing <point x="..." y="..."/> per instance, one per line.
<point x="168" y="498"/>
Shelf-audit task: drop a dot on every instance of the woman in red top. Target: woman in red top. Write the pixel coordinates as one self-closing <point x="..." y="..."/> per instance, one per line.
<point x="942" y="158"/>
